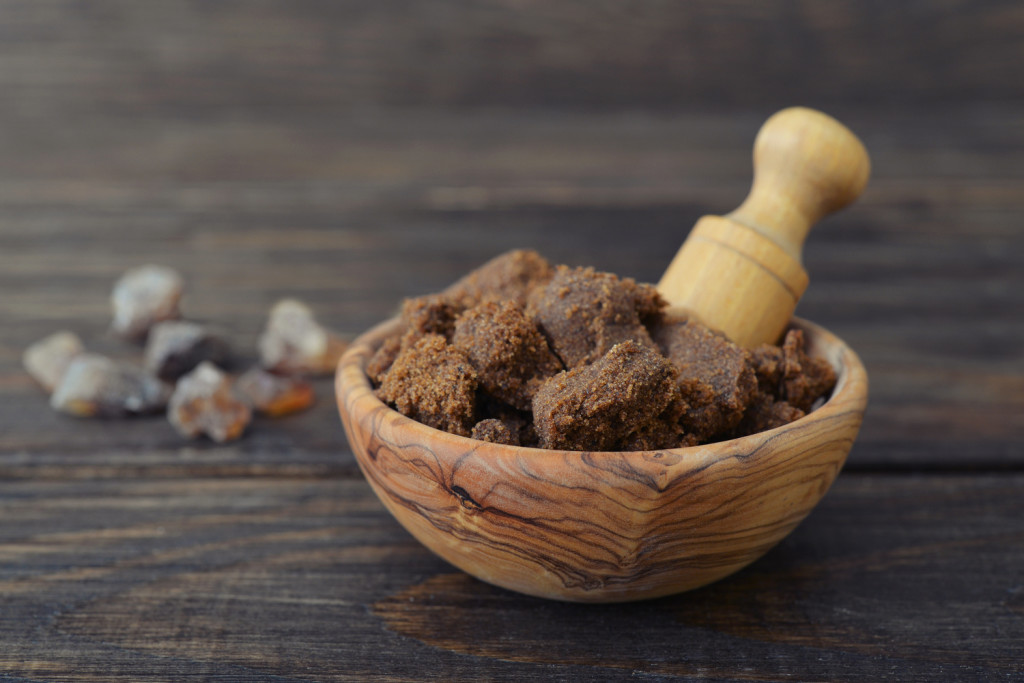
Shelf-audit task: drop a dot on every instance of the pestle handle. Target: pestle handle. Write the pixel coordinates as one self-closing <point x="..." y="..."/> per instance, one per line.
<point x="742" y="273"/>
<point x="806" y="165"/>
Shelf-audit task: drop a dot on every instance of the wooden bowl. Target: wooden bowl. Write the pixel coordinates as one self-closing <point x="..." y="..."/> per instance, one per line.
<point x="600" y="526"/>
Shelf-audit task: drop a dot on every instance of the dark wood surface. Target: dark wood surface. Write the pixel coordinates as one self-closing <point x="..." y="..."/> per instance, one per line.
<point x="353" y="154"/>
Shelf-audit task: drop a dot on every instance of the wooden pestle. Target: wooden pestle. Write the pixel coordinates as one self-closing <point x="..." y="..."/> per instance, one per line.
<point x="742" y="273"/>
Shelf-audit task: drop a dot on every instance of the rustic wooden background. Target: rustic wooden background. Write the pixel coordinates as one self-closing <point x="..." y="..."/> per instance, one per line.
<point x="354" y="153"/>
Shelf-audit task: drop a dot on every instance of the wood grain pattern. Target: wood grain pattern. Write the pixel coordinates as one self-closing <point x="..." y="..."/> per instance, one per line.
<point x="600" y="527"/>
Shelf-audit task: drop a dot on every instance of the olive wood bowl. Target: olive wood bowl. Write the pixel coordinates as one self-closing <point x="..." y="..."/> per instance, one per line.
<point x="600" y="526"/>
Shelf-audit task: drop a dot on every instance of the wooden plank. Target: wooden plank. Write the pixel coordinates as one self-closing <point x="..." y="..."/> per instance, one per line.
<point x="196" y="59"/>
<point x="901" y="577"/>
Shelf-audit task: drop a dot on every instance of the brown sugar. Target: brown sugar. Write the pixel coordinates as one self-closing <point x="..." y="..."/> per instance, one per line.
<point x="510" y="355"/>
<point x="804" y="379"/>
<point x="767" y="413"/>
<point x="521" y="353"/>
<point x="434" y="383"/>
<point x="383" y="358"/>
<point x="584" y="313"/>
<point x="602" y="405"/>
<point x="716" y="376"/>
<point x="497" y="431"/>
<point x="431" y="314"/>
<point x="767" y="361"/>
<point x="512" y="275"/>
<point x="788" y="374"/>
<point x="519" y="422"/>
<point x="664" y="432"/>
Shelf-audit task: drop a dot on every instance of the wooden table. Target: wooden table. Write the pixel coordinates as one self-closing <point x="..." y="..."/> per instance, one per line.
<point x="265" y="156"/>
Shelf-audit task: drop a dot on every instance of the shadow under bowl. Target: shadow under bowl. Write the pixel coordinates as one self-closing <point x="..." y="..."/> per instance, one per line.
<point x="600" y="526"/>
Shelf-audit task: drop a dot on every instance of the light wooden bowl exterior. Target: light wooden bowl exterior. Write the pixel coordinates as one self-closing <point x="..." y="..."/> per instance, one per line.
<point x="592" y="526"/>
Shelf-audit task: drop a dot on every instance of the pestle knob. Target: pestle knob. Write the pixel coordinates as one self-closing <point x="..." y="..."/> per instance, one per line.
<point x="742" y="273"/>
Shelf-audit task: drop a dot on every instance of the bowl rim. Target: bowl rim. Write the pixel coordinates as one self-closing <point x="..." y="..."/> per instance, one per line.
<point x="351" y="380"/>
